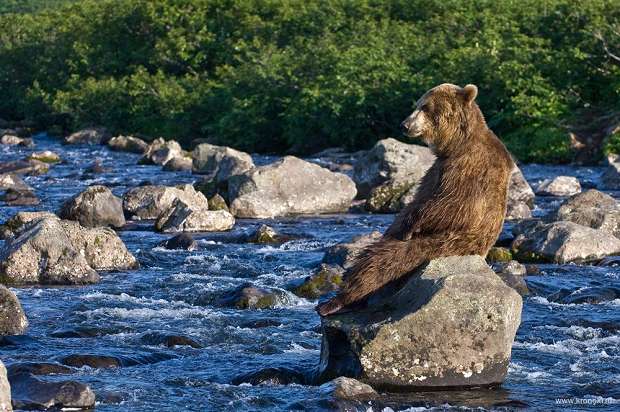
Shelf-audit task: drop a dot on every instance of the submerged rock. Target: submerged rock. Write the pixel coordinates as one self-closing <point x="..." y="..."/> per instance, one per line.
<point x="271" y="376"/>
<point x="593" y="209"/>
<point x="168" y="340"/>
<point x="17" y="222"/>
<point x="391" y="160"/>
<point x="5" y="391"/>
<point x="266" y="234"/>
<point x="93" y="135"/>
<point x="589" y="295"/>
<point x="46" y="156"/>
<point x="160" y="151"/>
<point x="95" y="206"/>
<point x="149" y="202"/>
<point x="345" y="254"/>
<point x="287" y="187"/>
<point x="29" y="392"/>
<point x="24" y="167"/>
<point x="562" y="242"/>
<point x="559" y="186"/>
<point x="128" y="144"/>
<point x="219" y="163"/>
<point x="181" y="217"/>
<point x="39" y="368"/>
<point x="95" y="168"/>
<point x="183" y="241"/>
<point x="12" y="318"/>
<point x="20" y="197"/>
<point x="428" y="332"/>
<point x="248" y="296"/>
<point x="512" y="273"/>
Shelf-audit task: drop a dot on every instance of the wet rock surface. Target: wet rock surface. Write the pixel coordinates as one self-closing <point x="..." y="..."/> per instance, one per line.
<point x="12" y="317"/>
<point x="96" y="206"/>
<point x="288" y="187"/>
<point x="29" y="392"/>
<point x="344" y="254"/>
<point x="149" y="202"/>
<point x="563" y="242"/>
<point x="425" y="333"/>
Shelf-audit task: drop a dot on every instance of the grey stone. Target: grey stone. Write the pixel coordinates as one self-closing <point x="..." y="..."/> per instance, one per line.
<point x="562" y="242"/>
<point x="611" y="177"/>
<point x="128" y="144"/>
<point x="160" y="151"/>
<point x="15" y="223"/>
<point x="29" y="392"/>
<point x="95" y="206"/>
<point x="289" y="186"/>
<point x="46" y="156"/>
<point x="390" y="159"/>
<point x="93" y="135"/>
<point x="593" y="209"/>
<point x="219" y="163"/>
<point x="348" y="389"/>
<point x="12" y="317"/>
<point x="181" y="217"/>
<point x="25" y="167"/>
<point x="559" y="186"/>
<point x="149" y="202"/>
<point x="178" y="164"/>
<point x="451" y="324"/>
<point x="5" y="391"/>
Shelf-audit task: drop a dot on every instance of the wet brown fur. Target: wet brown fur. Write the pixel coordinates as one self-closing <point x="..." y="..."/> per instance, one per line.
<point x="459" y="207"/>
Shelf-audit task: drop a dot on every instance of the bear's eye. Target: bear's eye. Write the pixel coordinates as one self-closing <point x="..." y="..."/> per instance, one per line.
<point x="424" y="107"/>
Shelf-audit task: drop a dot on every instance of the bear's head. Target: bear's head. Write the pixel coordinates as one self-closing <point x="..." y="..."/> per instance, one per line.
<point x="444" y="116"/>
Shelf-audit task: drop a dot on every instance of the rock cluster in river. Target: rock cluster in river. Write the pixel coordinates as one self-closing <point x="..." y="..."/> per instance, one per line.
<point x="149" y="202"/>
<point x="93" y="135"/>
<point x="427" y="333"/>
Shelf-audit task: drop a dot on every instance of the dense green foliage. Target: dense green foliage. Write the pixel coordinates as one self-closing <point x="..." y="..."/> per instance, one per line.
<point x="277" y="75"/>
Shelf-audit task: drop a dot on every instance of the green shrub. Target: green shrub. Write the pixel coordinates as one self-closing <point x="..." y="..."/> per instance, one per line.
<point x="300" y="76"/>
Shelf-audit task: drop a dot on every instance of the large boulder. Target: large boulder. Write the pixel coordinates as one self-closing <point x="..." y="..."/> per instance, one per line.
<point x="562" y="242"/>
<point x="181" y="217"/>
<point x="611" y="176"/>
<point x="95" y="206"/>
<point x="127" y="144"/>
<point x="388" y="160"/>
<point x="593" y="209"/>
<point x="149" y="202"/>
<point x="559" y="186"/>
<point x="15" y="223"/>
<point x="12" y="317"/>
<point x="219" y="163"/>
<point x="287" y="187"/>
<point x="520" y="196"/>
<point x="43" y="253"/>
<point x="160" y="151"/>
<point x="345" y="254"/>
<point x="53" y="251"/>
<point x="101" y="247"/>
<point x="93" y="135"/>
<point x="452" y="323"/>
<point x="5" y="391"/>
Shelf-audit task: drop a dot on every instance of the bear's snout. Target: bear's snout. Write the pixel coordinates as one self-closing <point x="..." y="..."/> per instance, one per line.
<point x="404" y="126"/>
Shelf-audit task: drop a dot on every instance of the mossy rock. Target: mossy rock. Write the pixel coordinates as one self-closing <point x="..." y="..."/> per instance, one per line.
<point x="499" y="254"/>
<point x="385" y="198"/>
<point x="327" y="279"/>
<point x="248" y="296"/>
<point x="217" y="202"/>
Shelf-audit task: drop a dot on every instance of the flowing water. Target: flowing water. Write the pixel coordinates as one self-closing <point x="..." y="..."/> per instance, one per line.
<point x="563" y="352"/>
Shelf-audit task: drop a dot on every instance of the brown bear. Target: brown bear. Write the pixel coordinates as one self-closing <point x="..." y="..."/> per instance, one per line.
<point x="459" y="207"/>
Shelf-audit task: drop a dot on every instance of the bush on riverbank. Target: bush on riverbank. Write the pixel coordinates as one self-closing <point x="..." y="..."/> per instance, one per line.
<point x="280" y="75"/>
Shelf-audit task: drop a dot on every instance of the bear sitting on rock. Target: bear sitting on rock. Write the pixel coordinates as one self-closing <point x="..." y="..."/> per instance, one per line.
<point x="459" y="207"/>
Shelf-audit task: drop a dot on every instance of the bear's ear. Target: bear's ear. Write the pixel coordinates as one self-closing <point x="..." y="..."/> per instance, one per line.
<point x="470" y="92"/>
